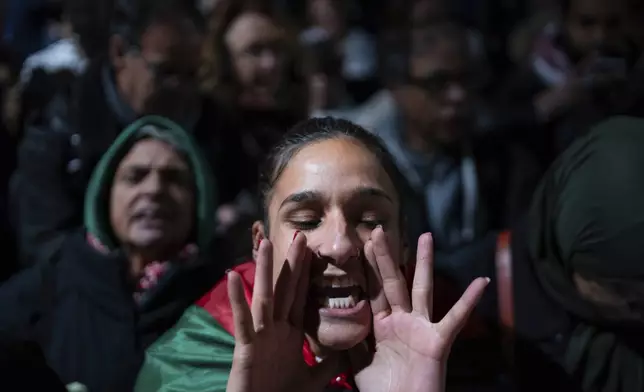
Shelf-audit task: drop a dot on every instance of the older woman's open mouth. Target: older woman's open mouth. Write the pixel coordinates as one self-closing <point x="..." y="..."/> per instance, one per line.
<point x="338" y="296"/>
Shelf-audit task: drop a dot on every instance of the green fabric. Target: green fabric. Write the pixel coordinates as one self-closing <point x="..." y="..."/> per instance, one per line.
<point x="196" y="355"/>
<point x="96" y="199"/>
<point x="587" y="218"/>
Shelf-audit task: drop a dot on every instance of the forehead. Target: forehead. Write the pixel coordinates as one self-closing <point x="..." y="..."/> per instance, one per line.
<point x="324" y="5"/>
<point x="250" y="28"/>
<point x="432" y="54"/>
<point x="597" y="7"/>
<point x="180" y="40"/>
<point x="153" y="153"/>
<point x="333" y="168"/>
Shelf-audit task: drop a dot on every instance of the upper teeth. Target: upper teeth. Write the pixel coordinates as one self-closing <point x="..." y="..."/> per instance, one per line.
<point x="342" y="281"/>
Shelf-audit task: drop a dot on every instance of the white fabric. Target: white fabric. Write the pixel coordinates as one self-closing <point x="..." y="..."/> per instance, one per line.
<point x="359" y="52"/>
<point x="64" y="54"/>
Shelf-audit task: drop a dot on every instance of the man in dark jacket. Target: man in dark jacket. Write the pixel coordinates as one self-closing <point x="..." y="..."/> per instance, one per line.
<point x="151" y="69"/>
<point x="462" y="186"/>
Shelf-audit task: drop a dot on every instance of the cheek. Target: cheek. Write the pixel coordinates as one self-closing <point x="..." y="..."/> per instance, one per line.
<point x="279" y="258"/>
<point x="118" y="210"/>
<point x="424" y="106"/>
<point x="183" y="197"/>
<point x="185" y="204"/>
<point x="281" y="240"/>
<point x="244" y="70"/>
<point x="579" y="36"/>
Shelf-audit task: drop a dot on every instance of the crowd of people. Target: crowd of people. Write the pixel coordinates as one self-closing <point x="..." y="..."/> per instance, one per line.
<point x="246" y="195"/>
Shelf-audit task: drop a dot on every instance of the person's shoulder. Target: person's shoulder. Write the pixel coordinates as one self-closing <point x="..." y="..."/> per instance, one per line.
<point x="81" y="255"/>
<point x="78" y="245"/>
<point x="216" y="301"/>
<point x="377" y="113"/>
<point x="359" y="37"/>
<point x="61" y="55"/>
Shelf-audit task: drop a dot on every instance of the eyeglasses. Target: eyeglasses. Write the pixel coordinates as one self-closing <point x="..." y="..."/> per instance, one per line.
<point x="162" y="71"/>
<point x="257" y="50"/>
<point x="440" y="81"/>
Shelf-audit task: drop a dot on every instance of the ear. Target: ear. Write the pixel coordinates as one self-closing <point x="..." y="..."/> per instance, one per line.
<point x="117" y="49"/>
<point x="258" y="234"/>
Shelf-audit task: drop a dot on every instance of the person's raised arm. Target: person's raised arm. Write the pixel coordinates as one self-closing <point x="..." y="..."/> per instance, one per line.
<point x="45" y="210"/>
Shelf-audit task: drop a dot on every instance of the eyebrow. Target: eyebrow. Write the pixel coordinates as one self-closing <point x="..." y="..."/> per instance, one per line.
<point x="169" y="167"/>
<point x="309" y="196"/>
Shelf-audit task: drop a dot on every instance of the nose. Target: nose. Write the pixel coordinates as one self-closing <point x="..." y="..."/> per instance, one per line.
<point x="268" y="60"/>
<point x="338" y="243"/>
<point x="153" y="183"/>
<point x="600" y="36"/>
<point x="456" y="93"/>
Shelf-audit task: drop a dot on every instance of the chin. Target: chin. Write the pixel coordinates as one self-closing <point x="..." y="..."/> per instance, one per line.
<point x="338" y="336"/>
<point x="151" y="240"/>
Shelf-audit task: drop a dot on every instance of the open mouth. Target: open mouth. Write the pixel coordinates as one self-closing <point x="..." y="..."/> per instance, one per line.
<point x="337" y="292"/>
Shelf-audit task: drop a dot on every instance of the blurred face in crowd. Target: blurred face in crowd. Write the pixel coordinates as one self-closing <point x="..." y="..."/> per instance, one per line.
<point x="436" y="97"/>
<point x="426" y="11"/>
<point x="258" y="54"/>
<point x="596" y="26"/>
<point x="152" y="200"/>
<point x="328" y="14"/>
<point x="159" y="76"/>
<point x="335" y="192"/>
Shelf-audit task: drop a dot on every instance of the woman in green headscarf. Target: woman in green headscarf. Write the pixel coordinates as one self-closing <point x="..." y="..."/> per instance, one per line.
<point x="579" y="279"/>
<point x="145" y="254"/>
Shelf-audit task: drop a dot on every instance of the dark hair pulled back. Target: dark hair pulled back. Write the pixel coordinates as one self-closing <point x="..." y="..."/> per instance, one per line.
<point x="313" y="131"/>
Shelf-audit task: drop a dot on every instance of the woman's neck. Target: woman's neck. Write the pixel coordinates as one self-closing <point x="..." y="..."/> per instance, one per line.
<point x="140" y="258"/>
<point x="137" y="264"/>
<point x="319" y="351"/>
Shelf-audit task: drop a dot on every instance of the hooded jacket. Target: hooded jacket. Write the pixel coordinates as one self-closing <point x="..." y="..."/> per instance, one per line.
<point x="80" y="306"/>
<point x="96" y="199"/>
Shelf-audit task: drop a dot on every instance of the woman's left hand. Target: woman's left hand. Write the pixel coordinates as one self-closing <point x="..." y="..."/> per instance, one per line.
<point x="411" y="350"/>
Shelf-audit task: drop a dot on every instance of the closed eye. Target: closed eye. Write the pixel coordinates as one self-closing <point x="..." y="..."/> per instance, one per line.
<point x="305" y="225"/>
<point x="372" y="223"/>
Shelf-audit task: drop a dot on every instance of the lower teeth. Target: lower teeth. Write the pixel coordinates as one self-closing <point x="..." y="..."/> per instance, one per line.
<point x="338" y="303"/>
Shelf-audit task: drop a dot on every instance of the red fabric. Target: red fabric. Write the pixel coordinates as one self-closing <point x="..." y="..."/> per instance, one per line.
<point x="217" y="304"/>
<point x="216" y="301"/>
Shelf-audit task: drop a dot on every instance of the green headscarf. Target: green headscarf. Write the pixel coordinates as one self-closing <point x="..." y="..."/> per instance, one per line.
<point x="588" y="218"/>
<point x="97" y="197"/>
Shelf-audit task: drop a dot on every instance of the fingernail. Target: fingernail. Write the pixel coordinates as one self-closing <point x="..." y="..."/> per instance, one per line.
<point x="260" y="243"/>
<point x="295" y="235"/>
<point x="228" y="271"/>
<point x="488" y="280"/>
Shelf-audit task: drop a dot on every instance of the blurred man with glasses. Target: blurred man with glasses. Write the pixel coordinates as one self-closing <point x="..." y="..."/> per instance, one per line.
<point x="150" y="67"/>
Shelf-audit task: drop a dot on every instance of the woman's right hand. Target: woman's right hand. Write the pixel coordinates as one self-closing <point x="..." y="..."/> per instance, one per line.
<point x="269" y="335"/>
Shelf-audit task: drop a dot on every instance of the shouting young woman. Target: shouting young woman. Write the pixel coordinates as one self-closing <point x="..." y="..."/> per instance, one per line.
<point x="325" y="303"/>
